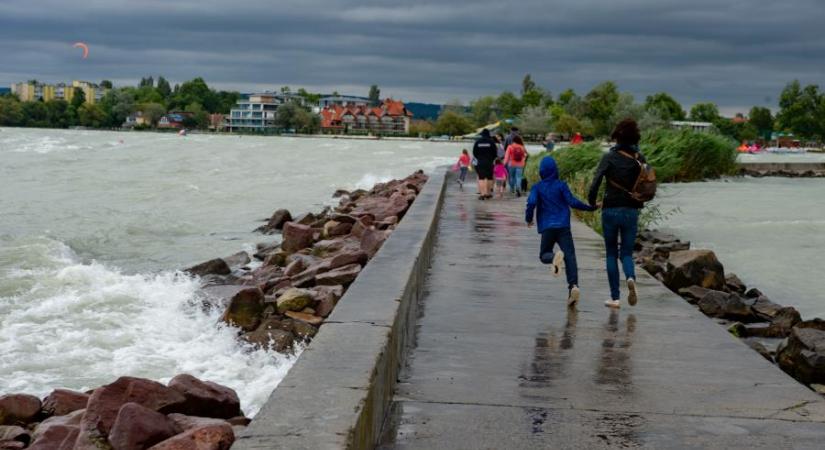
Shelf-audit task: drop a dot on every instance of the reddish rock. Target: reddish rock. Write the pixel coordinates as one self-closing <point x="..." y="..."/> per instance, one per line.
<point x="325" y="306"/>
<point x="205" y="398"/>
<point x="294" y="268"/>
<point x="105" y="402"/>
<point x="185" y="423"/>
<point x="334" y="228"/>
<point x="215" y="266"/>
<point x="245" y="309"/>
<point x="304" y="317"/>
<point x="137" y="427"/>
<point x="272" y="335"/>
<point x="276" y="258"/>
<point x="12" y="445"/>
<point x="276" y="221"/>
<point x="340" y="276"/>
<point x="208" y="437"/>
<point x="304" y="330"/>
<point x="58" y="437"/>
<point x="348" y="257"/>
<point x="297" y="237"/>
<point x="63" y="401"/>
<point x="240" y="420"/>
<point x="72" y="419"/>
<point x="387" y="223"/>
<point x="329" y="245"/>
<point x="372" y="240"/>
<point x="12" y="433"/>
<point x="360" y="227"/>
<point x="18" y="409"/>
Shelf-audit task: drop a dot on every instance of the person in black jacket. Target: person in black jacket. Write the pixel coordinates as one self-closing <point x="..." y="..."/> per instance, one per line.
<point x="484" y="151"/>
<point x="620" y="213"/>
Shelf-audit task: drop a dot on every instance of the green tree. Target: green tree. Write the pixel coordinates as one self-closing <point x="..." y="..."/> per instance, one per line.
<point x="56" y="113"/>
<point x="293" y="117"/>
<point x="453" y="123"/>
<point x="106" y="84"/>
<point x="801" y="110"/>
<point x="163" y="88"/>
<point x="665" y="106"/>
<point x="309" y="98"/>
<point x="199" y="119"/>
<point x="567" y="97"/>
<point x="374" y="95"/>
<point x="508" y="105"/>
<point x="35" y="114"/>
<point x="152" y="112"/>
<point x="704" y="112"/>
<point x="534" y="120"/>
<point x="147" y="82"/>
<point x="567" y="124"/>
<point x="11" y="112"/>
<point x="762" y="119"/>
<point x="285" y="90"/>
<point x="194" y="91"/>
<point x="227" y="100"/>
<point x="90" y="115"/>
<point x="78" y="98"/>
<point x="117" y="104"/>
<point x="527" y="85"/>
<point x="600" y="105"/>
<point x="482" y="111"/>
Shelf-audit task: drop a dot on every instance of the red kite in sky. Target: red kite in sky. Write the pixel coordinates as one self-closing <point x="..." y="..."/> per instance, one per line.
<point x="84" y="47"/>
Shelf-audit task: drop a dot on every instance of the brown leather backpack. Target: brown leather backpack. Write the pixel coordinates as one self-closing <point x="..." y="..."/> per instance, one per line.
<point x="644" y="189"/>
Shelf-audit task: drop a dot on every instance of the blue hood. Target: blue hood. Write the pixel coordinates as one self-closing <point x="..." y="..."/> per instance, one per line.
<point x="548" y="170"/>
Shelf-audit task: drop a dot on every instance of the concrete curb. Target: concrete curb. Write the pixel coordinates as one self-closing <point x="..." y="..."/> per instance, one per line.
<point x="337" y="393"/>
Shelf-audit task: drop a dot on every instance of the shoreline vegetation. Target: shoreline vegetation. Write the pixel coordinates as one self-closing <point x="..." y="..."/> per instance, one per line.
<point x="777" y="332"/>
<point x="278" y="302"/>
<point x="534" y="109"/>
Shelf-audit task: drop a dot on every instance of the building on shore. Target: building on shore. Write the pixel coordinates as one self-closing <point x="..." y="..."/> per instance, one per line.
<point x="257" y="113"/>
<point x="343" y="100"/>
<point x="216" y="121"/>
<point x="391" y="117"/>
<point x="135" y="119"/>
<point x="33" y="91"/>
<point x="5" y="90"/>
<point x="701" y="127"/>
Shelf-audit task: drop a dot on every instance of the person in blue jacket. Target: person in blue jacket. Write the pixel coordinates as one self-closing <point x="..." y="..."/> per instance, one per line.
<point x="551" y="199"/>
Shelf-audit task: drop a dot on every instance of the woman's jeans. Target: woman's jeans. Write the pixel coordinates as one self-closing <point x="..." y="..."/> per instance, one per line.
<point x="515" y="178"/>
<point x="564" y="238"/>
<point x="462" y="174"/>
<point x="619" y="224"/>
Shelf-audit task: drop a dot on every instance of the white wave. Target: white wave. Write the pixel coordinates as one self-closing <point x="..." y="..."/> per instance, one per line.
<point x="367" y="181"/>
<point x="82" y="325"/>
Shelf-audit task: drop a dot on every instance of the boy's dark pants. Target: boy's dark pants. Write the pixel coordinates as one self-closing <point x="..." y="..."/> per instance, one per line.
<point x="563" y="237"/>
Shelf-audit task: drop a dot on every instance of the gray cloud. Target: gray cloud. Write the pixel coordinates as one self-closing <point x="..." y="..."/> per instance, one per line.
<point x="737" y="53"/>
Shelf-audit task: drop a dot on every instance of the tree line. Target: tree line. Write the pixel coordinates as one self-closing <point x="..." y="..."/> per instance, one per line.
<point x="537" y="111"/>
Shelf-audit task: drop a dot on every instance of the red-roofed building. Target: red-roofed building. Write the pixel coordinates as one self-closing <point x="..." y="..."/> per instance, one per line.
<point x="391" y="117"/>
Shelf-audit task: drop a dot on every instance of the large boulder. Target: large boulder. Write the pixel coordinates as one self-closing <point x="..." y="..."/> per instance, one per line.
<point x="237" y="260"/>
<point x="725" y="305"/>
<point x="13" y="433"/>
<point x="18" y="409"/>
<point x="58" y="437"/>
<point x="137" y="428"/>
<point x="802" y="354"/>
<point x="63" y="401"/>
<point x="72" y="420"/>
<point x="105" y="402"/>
<point x="184" y="422"/>
<point x="207" y="437"/>
<point x="305" y="318"/>
<point x="372" y="240"/>
<point x="347" y="257"/>
<point x="694" y="268"/>
<point x="334" y="228"/>
<point x="693" y="293"/>
<point x="734" y="284"/>
<point x="326" y="297"/>
<point x="297" y="237"/>
<point x="215" y="266"/>
<point x="294" y="299"/>
<point x="341" y="276"/>
<point x="245" y="309"/>
<point x="205" y="398"/>
<point x="276" y="222"/>
<point x="271" y="335"/>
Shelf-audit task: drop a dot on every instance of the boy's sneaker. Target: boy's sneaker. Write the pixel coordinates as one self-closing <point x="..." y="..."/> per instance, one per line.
<point x="558" y="260"/>
<point x="612" y="304"/>
<point x="632" y="298"/>
<point x="573" y="298"/>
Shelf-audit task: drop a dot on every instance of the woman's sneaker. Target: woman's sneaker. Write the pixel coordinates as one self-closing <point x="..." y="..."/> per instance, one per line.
<point x="612" y="304"/>
<point x="573" y="297"/>
<point x="558" y="260"/>
<point x="632" y="298"/>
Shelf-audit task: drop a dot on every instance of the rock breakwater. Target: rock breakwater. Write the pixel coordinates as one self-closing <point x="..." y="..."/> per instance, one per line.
<point x="777" y="332"/>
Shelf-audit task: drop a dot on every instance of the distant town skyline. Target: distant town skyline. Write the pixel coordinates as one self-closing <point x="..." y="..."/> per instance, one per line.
<point x="736" y="54"/>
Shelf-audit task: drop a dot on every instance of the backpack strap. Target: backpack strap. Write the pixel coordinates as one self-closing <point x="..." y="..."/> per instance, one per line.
<point x="629" y="192"/>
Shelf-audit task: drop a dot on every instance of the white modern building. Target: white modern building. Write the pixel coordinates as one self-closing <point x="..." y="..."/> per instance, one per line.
<point x="257" y="113"/>
<point x="695" y="126"/>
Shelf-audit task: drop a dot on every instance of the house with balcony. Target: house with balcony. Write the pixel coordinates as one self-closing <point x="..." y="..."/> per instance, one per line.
<point x="257" y="112"/>
<point x="174" y="119"/>
<point x="391" y="117"/>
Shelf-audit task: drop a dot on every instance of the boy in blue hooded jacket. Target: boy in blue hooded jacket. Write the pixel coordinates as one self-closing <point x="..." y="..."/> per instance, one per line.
<point x="552" y="199"/>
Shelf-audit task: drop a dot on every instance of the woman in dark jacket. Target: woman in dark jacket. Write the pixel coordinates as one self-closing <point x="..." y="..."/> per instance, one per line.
<point x="620" y="213"/>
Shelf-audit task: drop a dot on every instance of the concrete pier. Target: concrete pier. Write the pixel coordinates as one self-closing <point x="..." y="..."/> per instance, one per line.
<point x="499" y="362"/>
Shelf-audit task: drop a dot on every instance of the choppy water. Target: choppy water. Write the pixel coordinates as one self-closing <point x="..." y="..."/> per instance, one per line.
<point x="769" y="231"/>
<point x="93" y="226"/>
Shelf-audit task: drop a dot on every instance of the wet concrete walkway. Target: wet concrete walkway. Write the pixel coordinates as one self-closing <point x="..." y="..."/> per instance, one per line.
<point x="500" y="362"/>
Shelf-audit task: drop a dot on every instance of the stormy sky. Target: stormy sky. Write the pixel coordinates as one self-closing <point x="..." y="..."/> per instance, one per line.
<point x="737" y="53"/>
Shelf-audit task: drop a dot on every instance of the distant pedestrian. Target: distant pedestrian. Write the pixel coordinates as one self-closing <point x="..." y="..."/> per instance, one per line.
<point x="551" y="200"/>
<point x="620" y="214"/>
<point x="500" y="175"/>
<point x="463" y="166"/>
<point x="549" y="142"/>
<point x="484" y="151"/>
<point x="577" y="139"/>
<point x="510" y="137"/>
<point x="500" y="147"/>
<point x="515" y="158"/>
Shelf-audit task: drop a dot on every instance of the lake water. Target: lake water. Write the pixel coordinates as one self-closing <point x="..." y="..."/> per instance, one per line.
<point x="93" y="226"/>
<point x="769" y="231"/>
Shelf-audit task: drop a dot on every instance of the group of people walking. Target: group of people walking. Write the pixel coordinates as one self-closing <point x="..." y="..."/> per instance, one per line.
<point x="623" y="169"/>
<point x="496" y="159"/>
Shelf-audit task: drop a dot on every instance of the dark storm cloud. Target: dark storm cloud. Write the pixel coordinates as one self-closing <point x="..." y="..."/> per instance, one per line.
<point x="736" y="53"/>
